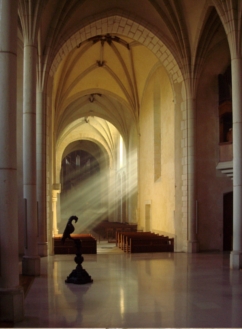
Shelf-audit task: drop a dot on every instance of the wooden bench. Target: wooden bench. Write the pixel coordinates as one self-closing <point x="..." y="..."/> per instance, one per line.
<point x="89" y="244"/>
<point x="107" y="230"/>
<point x="122" y="238"/>
<point x="150" y="244"/>
<point x="134" y="242"/>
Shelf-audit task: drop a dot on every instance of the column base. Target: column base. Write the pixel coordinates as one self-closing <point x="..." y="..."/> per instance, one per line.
<point x="236" y="260"/>
<point x="55" y="232"/>
<point x="43" y="249"/>
<point x="12" y="305"/>
<point x="31" y="265"/>
<point x="192" y="246"/>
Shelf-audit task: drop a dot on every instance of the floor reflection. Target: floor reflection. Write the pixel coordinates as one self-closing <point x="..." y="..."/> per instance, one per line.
<point x="137" y="291"/>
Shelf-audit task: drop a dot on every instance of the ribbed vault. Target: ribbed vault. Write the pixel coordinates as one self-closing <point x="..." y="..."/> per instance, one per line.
<point x="92" y="129"/>
<point x="102" y="77"/>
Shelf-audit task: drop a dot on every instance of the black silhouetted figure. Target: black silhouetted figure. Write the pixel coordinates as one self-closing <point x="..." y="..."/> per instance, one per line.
<point x="79" y="275"/>
<point x="69" y="229"/>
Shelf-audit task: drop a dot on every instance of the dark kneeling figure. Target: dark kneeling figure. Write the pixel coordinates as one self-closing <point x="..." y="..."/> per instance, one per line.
<point x="79" y="275"/>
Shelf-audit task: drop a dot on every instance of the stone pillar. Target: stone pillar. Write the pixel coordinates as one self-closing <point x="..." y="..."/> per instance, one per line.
<point x="191" y="202"/>
<point x="111" y="204"/>
<point x="236" y="254"/>
<point x="55" y="192"/>
<point x="41" y="172"/>
<point x="132" y="182"/>
<point x="31" y="259"/>
<point x="58" y="210"/>
<point x="21" y="223"/>
<point x="11" y="295"/>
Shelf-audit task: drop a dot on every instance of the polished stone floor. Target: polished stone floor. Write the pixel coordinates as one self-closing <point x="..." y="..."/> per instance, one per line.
<point x="155" y="290"/>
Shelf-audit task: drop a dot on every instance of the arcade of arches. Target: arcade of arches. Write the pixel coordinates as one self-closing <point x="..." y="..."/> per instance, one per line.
<point x="110" y="109"/>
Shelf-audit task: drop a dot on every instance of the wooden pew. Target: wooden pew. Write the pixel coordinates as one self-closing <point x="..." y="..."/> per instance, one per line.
<point x="150" y="244"/>
<point x="107" y="230"/>
<point x="89" y="244"/>
<point x="134" y="242"/>
<point x="145" y="236"/>
<point x="123" y="238"/>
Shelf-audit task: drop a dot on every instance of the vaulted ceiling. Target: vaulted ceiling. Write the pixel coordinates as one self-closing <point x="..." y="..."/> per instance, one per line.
<point x="98" y="74"/>
<point x="104" y="76"/>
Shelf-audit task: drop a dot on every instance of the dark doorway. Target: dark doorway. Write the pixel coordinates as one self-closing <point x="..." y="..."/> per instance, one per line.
<point x="228" y="221"/>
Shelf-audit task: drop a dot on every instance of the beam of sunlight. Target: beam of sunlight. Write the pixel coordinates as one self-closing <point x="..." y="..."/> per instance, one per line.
<point x="99" y="196"/>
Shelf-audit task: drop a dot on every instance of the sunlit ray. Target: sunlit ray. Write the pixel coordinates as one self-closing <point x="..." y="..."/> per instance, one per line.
<point x="105" y="194"/>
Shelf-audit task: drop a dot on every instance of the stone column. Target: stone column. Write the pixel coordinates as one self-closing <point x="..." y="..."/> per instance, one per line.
<point x="11" y="295"/>
<point x="236" y="254"/>
<point x="191" y="202"/>
<point x="230" y="14"/>
<point x="58" y="210"/>
<point x="41" y="172"/>
<point x="111" y="202"/>
<point x="55" y="192"/>
<point x="132" y="182"/>
<point x="31" y="259"/>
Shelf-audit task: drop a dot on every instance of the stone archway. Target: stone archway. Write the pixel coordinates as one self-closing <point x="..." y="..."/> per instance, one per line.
<point x="140" y="34"/>
<point x="117" y="24"/>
